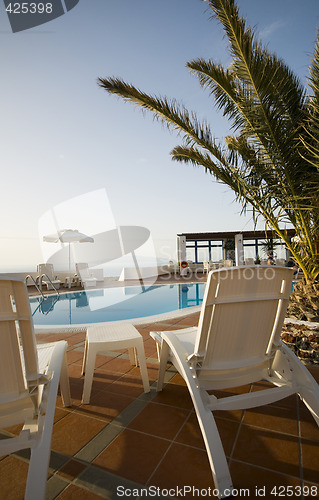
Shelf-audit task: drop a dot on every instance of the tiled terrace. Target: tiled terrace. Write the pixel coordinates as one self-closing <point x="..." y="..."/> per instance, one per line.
<point x="127" y="439"/>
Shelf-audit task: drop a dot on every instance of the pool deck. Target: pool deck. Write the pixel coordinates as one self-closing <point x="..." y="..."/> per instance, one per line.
<point x="126" y="440"/>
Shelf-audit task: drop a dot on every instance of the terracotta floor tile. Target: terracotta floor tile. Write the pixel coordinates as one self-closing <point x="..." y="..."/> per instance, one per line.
<point x="132" y="455"/>
<point x="152" y="371"/>
<point x="228" y="431"/>
<point x="166" y="326"/>
<point x="14" y="429"/>
<point x="128" y="385"/>
<point x="101" y="360"/>
<point x="314" y="370"/>
<point x="13" y="477"/>
<point x="188" y="321"/>
<point x="75" y="372"/>
<point x="72" y="432"/>
<point x="159" y="420"/>
<point x="105" y="405"/>
<point x="149" y="347"/>
<point x="261" y="385"/>
<point x="73" y="492"/>
<point x="310" y="460"/>
<point x="71" y="469"/>
<point x="279" y="452"/>
<point x="308" y="427"/>
<point x="117" y="364"/>
<point x="51" y="337"/>
<point x="291" y="402"/>
<point x="174" y="395"/>
<point x="258" y="481"/>
<point x="102" y="379"/>
<point x="60" y="413"/>
<point x="76" y="389"/>
<point x="232" y="391"/>
<point x="43" y="338"/>
<point x="274" y="418"/>
<point x="183" y="466"/>
<point x="76" y="338"/>
<point x="177" y="380"/>
<point x="191" y="435"/>
<point x="74" y="357"/>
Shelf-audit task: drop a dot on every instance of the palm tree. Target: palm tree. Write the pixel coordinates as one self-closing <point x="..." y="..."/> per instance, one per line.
<point x="272" y="160"/>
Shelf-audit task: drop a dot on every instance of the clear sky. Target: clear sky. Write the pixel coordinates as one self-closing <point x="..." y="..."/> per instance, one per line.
<point x="62" y="136"/>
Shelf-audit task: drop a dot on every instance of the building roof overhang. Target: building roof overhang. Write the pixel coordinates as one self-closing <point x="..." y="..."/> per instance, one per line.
<point x="228" y="235"/>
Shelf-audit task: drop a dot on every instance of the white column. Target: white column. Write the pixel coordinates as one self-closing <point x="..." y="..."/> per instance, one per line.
<point x="181" y="248"/>
<point x="239" y="250"/>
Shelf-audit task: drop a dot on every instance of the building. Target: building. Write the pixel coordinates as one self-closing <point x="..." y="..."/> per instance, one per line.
<point x="239" y="247"/>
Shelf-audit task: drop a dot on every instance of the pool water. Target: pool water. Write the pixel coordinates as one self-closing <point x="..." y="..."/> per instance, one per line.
<point x="114" y="304"/>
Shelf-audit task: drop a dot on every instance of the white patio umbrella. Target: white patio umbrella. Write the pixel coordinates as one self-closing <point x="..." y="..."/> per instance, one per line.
<point x="68" y="236"/>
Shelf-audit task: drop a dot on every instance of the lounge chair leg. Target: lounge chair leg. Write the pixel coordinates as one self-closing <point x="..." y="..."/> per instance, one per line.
<point x="84" y="355"/>
<point x="307" y="387"/>
<point x="212" y="440"/>
<point x="64" y="382"/>
<point x="143" y="367"/>
<point x="37" y="475"/>
<point x="132" y="355"/>
<point x="165" y="350"/>
<point x="89" y="371"/>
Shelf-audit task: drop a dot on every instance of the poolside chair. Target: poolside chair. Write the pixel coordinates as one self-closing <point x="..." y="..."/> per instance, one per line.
<point x="172" y="267"/>
<point x="249" y="261"/>
<point x="237" y="342"/>
<point x="50" y="277"/>
<point x="29" y="379"/>
<point x="206" y="266"/>
<point x="86" y="276"/>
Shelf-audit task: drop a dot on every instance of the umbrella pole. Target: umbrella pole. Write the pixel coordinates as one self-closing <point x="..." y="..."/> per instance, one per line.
<point x="69" y="265"/>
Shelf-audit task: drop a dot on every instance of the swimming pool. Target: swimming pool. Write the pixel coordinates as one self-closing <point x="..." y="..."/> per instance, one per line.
<point x="114" y="304"/>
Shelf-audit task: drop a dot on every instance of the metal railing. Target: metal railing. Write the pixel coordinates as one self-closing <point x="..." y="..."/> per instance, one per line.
<point x="34" y="282"/>
<point x="47" y="277"/>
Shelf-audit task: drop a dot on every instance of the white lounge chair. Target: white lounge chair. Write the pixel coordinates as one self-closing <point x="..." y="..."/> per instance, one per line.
<point x="225" y="263"/>
<point x="29" y="379"/>
<point x="206" y="266"/>
<point x="237" y="342"/>
<point x="249" y="261"/>
<point x="172" y="267"/>
<point x="48" y="271"/>
<point x="88" y="276"/>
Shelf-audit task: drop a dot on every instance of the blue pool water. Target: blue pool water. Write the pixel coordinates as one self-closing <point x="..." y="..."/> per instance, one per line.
<point x="114" y="304"/>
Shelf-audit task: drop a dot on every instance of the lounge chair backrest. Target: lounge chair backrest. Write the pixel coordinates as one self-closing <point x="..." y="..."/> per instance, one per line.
<point x="47" y="269"/>
<point x="242" y="314"/>
<point x="249" y="261"/>
<point x="82" y="270"/>
<point x="16" y="330"/>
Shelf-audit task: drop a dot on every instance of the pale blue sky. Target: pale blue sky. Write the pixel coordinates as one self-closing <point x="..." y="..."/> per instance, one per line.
<point x="62" y="136"/>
